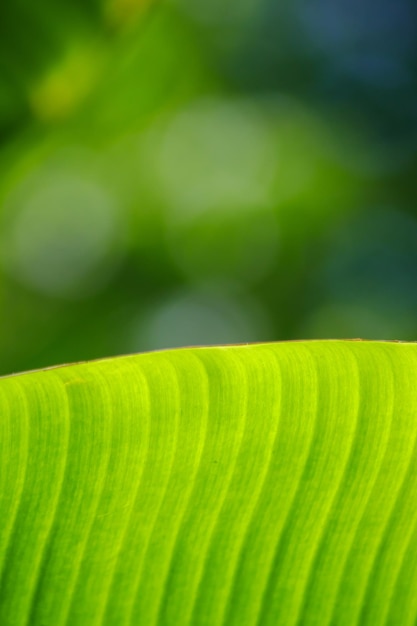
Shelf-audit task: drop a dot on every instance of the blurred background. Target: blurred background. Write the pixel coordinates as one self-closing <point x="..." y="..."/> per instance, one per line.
<point x="189" y="172"/>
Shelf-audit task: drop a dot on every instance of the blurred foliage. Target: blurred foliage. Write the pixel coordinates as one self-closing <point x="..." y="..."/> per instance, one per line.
<point x="187" y="172"/>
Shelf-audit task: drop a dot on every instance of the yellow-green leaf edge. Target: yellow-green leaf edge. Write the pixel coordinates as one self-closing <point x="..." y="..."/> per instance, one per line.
<point x="254" y="485"/>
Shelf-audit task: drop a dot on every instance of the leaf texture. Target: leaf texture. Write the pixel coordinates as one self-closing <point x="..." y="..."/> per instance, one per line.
<point x="255" y="485"/>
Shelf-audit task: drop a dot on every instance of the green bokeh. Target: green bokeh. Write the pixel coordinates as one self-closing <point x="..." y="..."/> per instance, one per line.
<point x="190" y="173"/>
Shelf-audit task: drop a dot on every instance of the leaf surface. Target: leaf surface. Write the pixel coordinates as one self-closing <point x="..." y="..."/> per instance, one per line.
<point x="255" y="485"/>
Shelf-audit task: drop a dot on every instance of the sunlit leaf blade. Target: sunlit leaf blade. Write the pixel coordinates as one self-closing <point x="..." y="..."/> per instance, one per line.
<point x="255" y="485"/>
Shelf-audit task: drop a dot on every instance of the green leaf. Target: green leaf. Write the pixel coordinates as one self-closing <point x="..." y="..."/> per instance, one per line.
<point x="270" y="484"/>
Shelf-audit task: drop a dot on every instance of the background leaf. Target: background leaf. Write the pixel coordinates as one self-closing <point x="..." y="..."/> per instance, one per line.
<point x="185" y="172"/>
